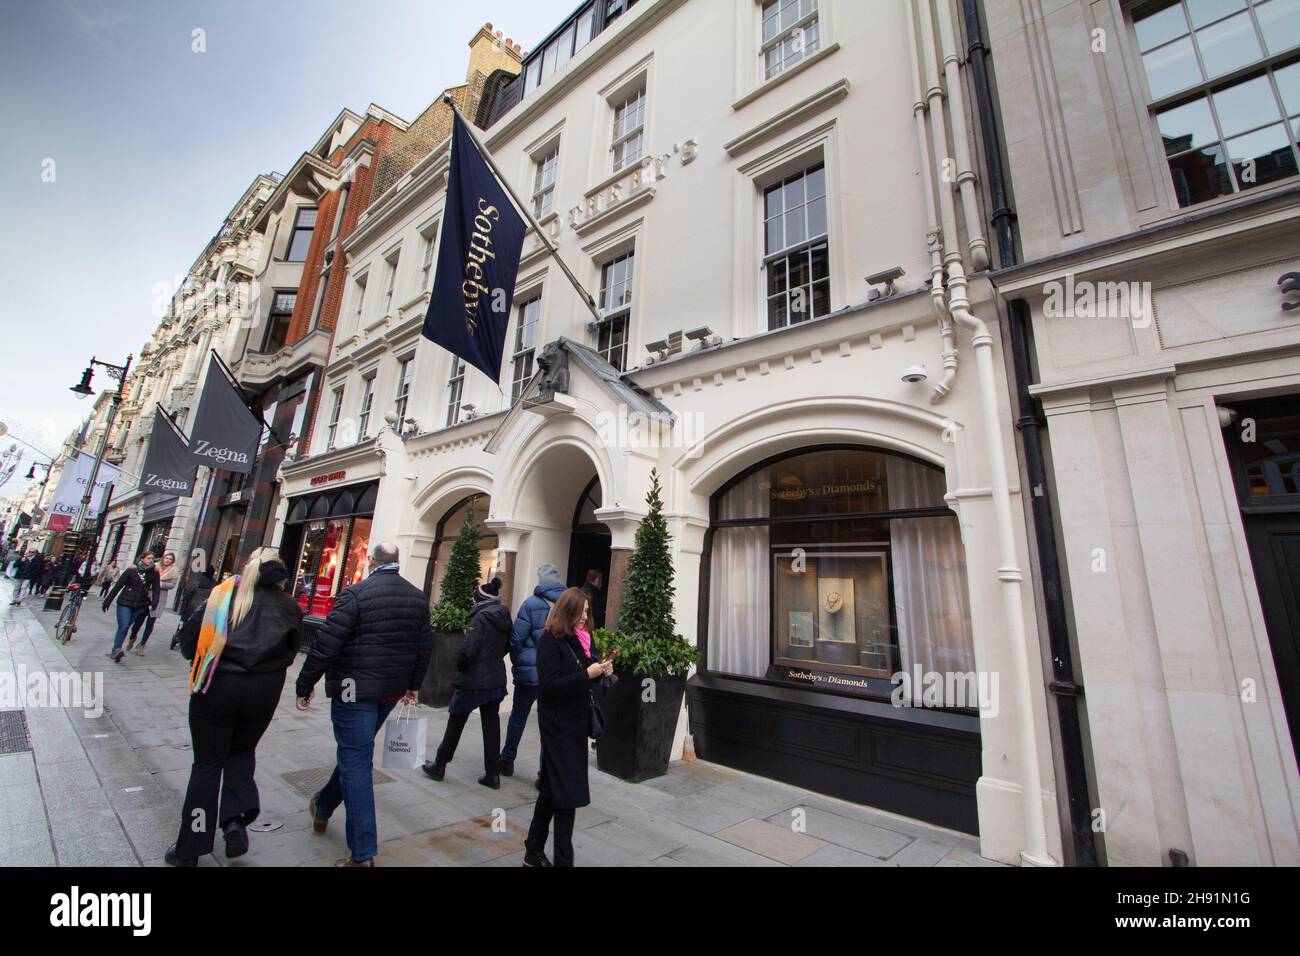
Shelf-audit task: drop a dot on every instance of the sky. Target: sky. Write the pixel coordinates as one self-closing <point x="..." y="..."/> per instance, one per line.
<point x="127" y="137"/>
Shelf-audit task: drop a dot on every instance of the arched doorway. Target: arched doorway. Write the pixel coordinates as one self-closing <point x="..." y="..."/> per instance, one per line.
<point x="589" y="547"/>
<point x="449" y="527"/>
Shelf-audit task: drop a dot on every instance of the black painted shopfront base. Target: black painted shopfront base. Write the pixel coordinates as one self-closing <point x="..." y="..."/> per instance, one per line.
<point x="925" y="767"/>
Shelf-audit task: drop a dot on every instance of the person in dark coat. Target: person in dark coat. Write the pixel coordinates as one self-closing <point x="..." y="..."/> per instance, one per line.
<point x="523" y="658"/>
<point x="377" y="639"/>
<point x="480" y="685"/>
<point x="594" y="588"/>
<point x="29" y="571"/>
<point x="136" y="591"/>
<point x="230" y="712"/>
<point x="567" y="678"/>
<point x="193" y="597"/>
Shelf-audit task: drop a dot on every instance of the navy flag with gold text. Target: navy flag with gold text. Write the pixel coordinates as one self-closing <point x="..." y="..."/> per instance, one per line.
<point x="478" y="260"/>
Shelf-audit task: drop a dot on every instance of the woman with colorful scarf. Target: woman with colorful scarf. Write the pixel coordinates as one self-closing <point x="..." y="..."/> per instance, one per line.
<point x="240" y="644"/>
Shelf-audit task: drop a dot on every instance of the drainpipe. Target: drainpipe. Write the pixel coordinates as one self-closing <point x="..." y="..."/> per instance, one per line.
<point x="1010" y="576"/>
<point x="933" y="236"/>
<point x="977" y="246"/>
<point x="1066" y="691"/>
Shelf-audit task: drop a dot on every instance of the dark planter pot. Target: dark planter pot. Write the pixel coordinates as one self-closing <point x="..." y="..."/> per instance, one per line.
<point x="638" y="738"/>
<point x="437" y="687"/>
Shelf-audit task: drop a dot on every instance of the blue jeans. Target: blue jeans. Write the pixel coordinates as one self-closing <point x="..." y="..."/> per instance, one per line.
<point x="524" y="697"/>
<point x="352" y="783"/>
<point x="126" y="618"/>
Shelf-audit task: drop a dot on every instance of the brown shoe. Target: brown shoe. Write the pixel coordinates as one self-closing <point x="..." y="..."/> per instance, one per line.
<point x="139" y="651"/>
<point x="317" y="825"/>
<point x="130" y="643"/>
<point x="348" y="861"/>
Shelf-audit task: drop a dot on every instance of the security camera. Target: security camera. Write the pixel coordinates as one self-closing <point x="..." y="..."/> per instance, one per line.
<point x="915" y="373"/>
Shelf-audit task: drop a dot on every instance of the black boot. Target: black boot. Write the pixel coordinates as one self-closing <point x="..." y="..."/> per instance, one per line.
<point x="236" y="838"/>
<point x="171" y="859"/>
<point x="492" y="780"/>
<point x="536" y="859"/>
<point x="434" y="770"/>
<point x="507" y="767"/>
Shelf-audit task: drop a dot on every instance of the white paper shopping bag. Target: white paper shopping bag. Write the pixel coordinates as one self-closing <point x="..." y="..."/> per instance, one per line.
<point x="404" y="740"/>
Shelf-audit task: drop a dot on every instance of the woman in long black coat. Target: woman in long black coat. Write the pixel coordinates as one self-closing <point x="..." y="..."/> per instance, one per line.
<point x="567" y="675"/>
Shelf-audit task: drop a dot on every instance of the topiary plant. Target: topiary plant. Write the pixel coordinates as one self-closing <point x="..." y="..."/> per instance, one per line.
<point x="646" y="635"/>
<point x="456" y="599"/>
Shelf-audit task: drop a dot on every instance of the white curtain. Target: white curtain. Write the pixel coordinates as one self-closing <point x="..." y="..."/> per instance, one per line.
<point x="930" y="597"/>
<point x="739" y="592"/>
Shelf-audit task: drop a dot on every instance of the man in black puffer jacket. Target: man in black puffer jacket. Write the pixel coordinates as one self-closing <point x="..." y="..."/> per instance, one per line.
<point x="373" y="651"/>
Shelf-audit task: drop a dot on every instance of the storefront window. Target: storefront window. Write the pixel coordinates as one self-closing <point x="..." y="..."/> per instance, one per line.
<point x="836" y="569"/>
<point x="331" y="551"/>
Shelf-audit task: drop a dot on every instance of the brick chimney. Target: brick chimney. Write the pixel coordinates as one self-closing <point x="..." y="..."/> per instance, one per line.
<point x="489" y="51"/>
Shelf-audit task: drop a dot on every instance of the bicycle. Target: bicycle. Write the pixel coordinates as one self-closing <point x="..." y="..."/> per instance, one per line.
<point x="67" y="625"/>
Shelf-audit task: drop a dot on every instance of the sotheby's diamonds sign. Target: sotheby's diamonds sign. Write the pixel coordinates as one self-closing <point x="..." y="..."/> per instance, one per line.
<point x="225" y="432"/>
<point x="169" y="466"/>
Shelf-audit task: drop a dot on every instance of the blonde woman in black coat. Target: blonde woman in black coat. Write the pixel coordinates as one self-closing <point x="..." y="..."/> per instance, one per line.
<point x="567" y="675"/>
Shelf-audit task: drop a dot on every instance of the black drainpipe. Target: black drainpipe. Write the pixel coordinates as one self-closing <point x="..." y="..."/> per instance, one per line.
<point x="1066" y="691"/>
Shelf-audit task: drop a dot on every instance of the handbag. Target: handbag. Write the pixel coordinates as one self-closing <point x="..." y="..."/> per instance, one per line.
<point x="596" y="720"/>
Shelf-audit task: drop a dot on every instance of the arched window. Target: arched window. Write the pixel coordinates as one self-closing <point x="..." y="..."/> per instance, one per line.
<point x="448" y="528"/>
<point x="834" y="569"/>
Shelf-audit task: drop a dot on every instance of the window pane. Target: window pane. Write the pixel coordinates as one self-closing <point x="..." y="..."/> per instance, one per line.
<point x="1229" y="45"/>
<point x="1171" y="68"/>
<point x="1246" y="106"/>
<point x="1279" y="21"/>
<point x="1161" y="27"/>
<point x="794" y="193"/>
<point x="821" y="298"/>
<point x="795" y="227"/>
<point x="776" y="277"/>
<point x="1186" y="126"/>
<point x="584" y="29"/>
<point x="817" y="217"/>
<point x="1199" y="175"/>
<point x="1262" y="156"/>
<point x="771" y="20"/>
<point x="820" y="258"/>
<point x="778" y="312"/>
<point x="1288" y="83"/>
<point x="817" y="182"/>
<point x="1207" y="11"/>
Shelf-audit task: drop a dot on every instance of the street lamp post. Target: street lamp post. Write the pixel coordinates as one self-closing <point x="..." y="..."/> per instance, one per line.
<point x="83" y="390"/>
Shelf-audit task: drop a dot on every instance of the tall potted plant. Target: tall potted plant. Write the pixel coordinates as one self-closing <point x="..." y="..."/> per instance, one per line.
<point x="642" y="708"/>
<point x="450" y="616"/>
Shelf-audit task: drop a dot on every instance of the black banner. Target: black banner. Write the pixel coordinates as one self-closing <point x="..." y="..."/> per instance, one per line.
<point x="169" y="467"/>
<point x="225" y="433"/>
<point x="478" y="260"/>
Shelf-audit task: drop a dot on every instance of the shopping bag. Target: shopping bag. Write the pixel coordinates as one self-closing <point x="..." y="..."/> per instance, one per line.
<point x="404" y="740"/>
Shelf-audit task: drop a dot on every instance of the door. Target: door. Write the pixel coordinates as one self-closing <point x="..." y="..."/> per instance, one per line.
<point x="1275" y="553"/>
<point x="1264" y="446"/>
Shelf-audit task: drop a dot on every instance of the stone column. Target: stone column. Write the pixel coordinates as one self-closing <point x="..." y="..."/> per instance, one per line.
<point x="618" y="561"/>
<point x="508" y="539"/>
<point x="506" y="572"/>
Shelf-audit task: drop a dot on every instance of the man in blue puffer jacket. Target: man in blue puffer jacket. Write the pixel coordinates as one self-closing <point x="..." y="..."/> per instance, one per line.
<point x="523" y="658"/>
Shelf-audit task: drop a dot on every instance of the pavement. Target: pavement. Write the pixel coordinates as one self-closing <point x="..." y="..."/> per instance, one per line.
<point x="103" y="785"/>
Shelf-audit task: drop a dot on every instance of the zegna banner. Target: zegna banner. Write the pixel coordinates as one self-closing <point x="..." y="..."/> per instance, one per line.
<point x="169" y="467"/>
<point x="225" y="433"/>
<point x="72" y="487"/>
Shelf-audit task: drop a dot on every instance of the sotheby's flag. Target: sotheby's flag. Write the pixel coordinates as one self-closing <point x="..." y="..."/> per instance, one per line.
<point x="169" y="466"/>
<point x="225" y="432"/>
<point x="478" y="259"/>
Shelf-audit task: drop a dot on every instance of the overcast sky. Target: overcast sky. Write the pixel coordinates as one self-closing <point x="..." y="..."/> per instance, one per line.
<point x="151" y="143"/>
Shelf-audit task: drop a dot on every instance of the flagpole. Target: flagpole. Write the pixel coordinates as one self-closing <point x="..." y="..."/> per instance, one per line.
<point x="526" y="212"/>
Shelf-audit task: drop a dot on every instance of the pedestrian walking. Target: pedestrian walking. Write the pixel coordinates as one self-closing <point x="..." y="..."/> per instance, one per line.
<point x="568" y="676"/>
<point x="29" y="572"/>
<point x="136" y="591"/>
<point x="49" y="573"/>
<point x="168" y="576"/>
<point x="480" y="685"/>
<point x="523" y="660"/>
<point x="594" y="588"/>
<point x="106" y="578"/>
<point x="193" y="597"/>
<point x="241" y="643"/>
<point x="373" y="651"/>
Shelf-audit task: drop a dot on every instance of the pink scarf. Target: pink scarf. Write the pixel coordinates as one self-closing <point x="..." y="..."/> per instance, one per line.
<point x="584" y="638"/>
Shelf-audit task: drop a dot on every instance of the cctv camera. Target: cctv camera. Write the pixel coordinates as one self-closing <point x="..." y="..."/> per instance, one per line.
<point x="915" y="373"/>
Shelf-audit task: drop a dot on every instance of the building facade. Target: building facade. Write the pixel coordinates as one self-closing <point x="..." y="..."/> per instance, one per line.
<point x="1155" y="143"/>
<point x="779" y="208"/>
